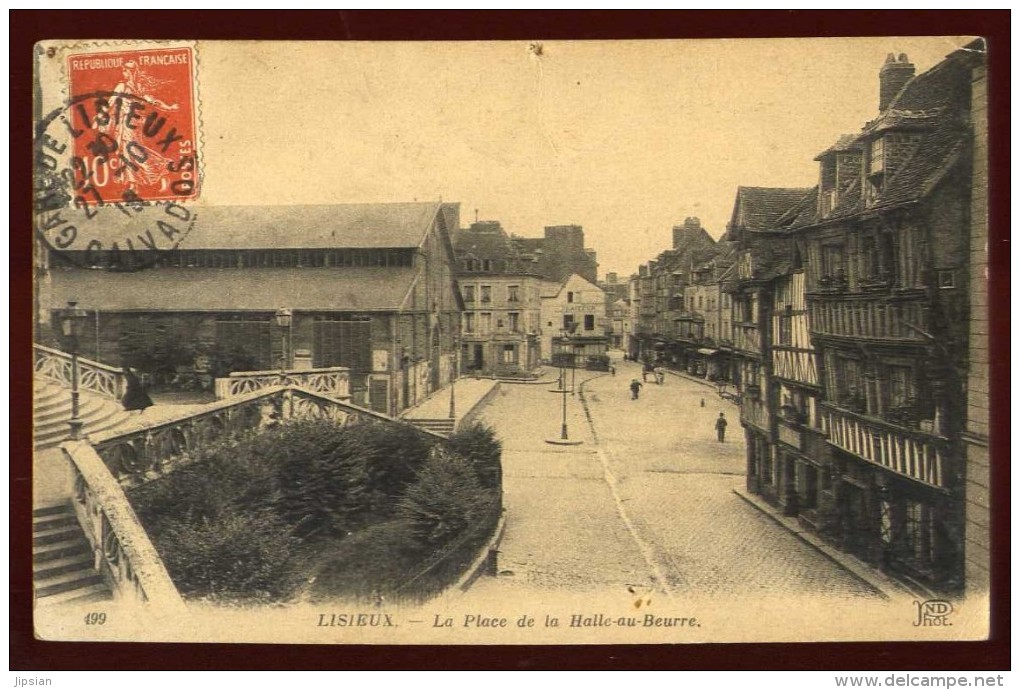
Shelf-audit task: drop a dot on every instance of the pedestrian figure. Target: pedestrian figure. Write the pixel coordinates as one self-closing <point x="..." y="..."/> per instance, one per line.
<point x="135" y="397"/>
<point x="660" y="375"/>
<point x="720" y="427"/>
<point x="635" y="389"/>
<point x="612" y="370"/>
<point x="646" y="370"/>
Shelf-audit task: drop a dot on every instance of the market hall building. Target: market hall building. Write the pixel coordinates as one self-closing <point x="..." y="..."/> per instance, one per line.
<point x="370" y="287"/>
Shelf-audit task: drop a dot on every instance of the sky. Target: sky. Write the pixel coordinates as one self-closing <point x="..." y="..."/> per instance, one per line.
<point x="624" y="138"/>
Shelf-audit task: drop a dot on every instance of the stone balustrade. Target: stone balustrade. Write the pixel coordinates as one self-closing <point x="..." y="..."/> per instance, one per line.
<point x="123" y="553"/>
<point x="94" y="377"/>
<point x="334" y="382"/>
<point x="136" y="456"/>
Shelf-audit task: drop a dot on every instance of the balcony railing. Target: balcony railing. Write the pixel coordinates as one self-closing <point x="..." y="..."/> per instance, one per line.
<point x="913" y="454"/>
<point x="866" y="316"/>
<point x="332" y="381"/>
<point x="753" y="411"/>
<point x="94" y="377"/>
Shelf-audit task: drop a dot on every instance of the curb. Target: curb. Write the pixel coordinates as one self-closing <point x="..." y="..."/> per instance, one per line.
<point x="472" y="414"/>
<point x="692" y="379"/>
<point x="886" y="587"/>
<point x="485" y="554"/>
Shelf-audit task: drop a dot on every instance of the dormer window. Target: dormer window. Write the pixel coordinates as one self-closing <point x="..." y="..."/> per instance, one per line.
<point x="876" y="160"/>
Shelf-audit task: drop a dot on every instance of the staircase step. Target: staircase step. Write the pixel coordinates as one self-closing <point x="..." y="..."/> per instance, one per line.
<point x="56" y="535"/>
<point x="59" y="566"/>
<point x="95" y="591"/>
<point x="67" y="582"/>
<point x="50" y="552"/>
<point x="91" y="594"/>
<point x="50" y="522"/>
<point x="55" y="509"/>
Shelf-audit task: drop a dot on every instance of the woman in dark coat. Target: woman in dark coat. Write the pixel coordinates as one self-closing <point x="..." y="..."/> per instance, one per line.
<point x="135" y="397"/>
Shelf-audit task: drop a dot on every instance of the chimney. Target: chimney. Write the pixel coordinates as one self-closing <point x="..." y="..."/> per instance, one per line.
<point x="895" y="73"/>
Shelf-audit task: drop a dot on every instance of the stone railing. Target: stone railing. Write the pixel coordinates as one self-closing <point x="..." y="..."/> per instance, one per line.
<point x="123" y="553"/>
<point x="94" y="377"/>
<point x="136" y="456"/>
<point x="332" y="381"/>
<point x="103" y="466"/>
<point x="915" y="454"/>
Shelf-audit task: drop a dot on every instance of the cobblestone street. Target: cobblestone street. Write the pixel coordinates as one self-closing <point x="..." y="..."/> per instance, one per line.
<point x="645" y="504"/>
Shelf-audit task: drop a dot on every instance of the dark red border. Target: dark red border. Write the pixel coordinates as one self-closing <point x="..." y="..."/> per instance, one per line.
<point x="27" y="27"/>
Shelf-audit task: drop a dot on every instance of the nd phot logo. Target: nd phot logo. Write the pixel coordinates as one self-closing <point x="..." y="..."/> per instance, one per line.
<point x="933" y="613"/>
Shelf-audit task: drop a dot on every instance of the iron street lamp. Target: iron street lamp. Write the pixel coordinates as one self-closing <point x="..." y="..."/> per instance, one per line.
<point x="453" y="379"/>
<point x="564" y="439"/>
<point x="578" y="347"/>
<point x="72" y="319"/>
<point x="284" y="318"/>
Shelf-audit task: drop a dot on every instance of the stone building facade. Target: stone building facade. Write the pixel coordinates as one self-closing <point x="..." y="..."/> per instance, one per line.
<point x="574" y="320"/>
<point x="500" y="290"/>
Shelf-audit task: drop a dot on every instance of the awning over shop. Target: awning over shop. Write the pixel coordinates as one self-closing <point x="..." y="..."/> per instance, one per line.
<point x="706" y="351"/>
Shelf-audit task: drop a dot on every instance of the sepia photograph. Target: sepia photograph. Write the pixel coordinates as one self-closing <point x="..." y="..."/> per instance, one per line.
<point x="537" y="342"/>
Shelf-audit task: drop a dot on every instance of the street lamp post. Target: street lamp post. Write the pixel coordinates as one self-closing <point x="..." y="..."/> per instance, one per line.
<point x="564" y="439"/>
<point x="573" y="373"/>
<point x="71" y="321"/>
<point x="284" y="318"/>
<point x="453" y="380"/>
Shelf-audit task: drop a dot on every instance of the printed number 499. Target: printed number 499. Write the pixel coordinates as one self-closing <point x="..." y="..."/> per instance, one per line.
<point x="95" y="618"/>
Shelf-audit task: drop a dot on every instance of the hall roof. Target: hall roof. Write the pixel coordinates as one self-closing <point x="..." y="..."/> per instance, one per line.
<point x="226" y="290"/>
<point x="320" y="226"/>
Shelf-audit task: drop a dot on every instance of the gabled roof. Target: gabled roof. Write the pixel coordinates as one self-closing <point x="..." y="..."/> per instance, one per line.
<point x="686" y="236"/>
<point x="212" y="289"/>
<point x="916" y="177"/>
<point x="937" y="102"/>
<point x="758" y="208"/>
<point x="322" y="226"/>
<point x="804" y="212"/>
<point x="846" y="142"/>
<point x="563" y="284"/>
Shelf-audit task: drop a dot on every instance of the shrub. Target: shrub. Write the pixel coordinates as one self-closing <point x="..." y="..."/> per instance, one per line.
<point x="445" y="498"/>
<point x="242" y="553"/>
<point x="396" y="452"/>
<point x="373" y="560"/>
<point x="224" y="473"/>
<point x="478" y="445"/>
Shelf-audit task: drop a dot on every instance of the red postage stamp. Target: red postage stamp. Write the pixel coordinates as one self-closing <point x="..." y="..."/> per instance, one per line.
<point x="132" y="121"/>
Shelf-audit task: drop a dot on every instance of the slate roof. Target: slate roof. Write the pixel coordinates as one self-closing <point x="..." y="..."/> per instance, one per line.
<point x="324" y="226"/>
<point x="803" y="213"/>
<point x="846" y="142"/>
<point x="937" y="102"/>
<point x="758" y="208"/>
<point x="490" y="242"/>
<point x="933" y="158"/>
<point x="228" y="289"/>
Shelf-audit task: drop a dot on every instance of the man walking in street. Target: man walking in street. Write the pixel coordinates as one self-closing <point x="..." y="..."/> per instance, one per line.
<point x="720" y="427"/>
<point x="635" y="389"/>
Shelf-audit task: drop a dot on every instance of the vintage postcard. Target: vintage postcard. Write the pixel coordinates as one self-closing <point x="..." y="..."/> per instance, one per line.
<point x="547" y="342"/>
